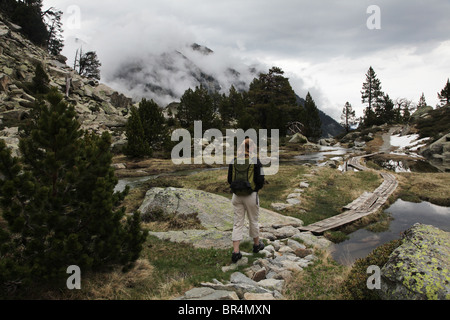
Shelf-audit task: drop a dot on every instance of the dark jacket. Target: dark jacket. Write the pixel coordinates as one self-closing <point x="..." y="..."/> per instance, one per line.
<point x="258" y="176"/>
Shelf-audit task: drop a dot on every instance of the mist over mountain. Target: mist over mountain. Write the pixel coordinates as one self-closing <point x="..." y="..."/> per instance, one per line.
<point x="164" y="77"/>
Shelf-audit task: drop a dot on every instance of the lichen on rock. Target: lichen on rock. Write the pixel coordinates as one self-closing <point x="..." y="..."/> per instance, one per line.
<point x="419" y="268"/>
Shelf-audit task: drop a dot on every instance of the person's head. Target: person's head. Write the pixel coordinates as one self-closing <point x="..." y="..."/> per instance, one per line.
<point x="247" y="149"/>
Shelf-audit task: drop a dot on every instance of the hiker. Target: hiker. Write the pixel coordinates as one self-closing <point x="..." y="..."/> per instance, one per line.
<point x="245" y="181"/>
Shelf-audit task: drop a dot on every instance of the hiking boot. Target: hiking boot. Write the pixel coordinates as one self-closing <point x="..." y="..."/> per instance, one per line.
<point x="258" y="247"/>
<point x="236" y="257"/>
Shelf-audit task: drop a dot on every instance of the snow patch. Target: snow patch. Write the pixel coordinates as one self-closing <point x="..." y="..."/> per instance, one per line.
<point x="408" y="143"/>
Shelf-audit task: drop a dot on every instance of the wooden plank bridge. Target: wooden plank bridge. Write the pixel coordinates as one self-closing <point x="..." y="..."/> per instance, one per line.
<point x="366" y="204"/>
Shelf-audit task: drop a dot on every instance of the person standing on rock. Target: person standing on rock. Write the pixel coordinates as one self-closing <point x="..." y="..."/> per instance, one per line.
<point x="246" y="179"/>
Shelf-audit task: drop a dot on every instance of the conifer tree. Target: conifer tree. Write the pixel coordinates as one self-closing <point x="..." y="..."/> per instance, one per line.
<point x="422" y="102"/>
<point x="40" y="83"/>
<point x="384" y="111"/>
<point x="348" y="117"/>
<point x="312" y="121"/>
<point x="87" y="64"/>
<point x="154" y="124"/>
<point x="273" y="101"/>
<point x="372" y="95"/>
<point x="230" y="106"/>
<point x="196" y="106"/>
<point x="59" y="203"/>
<point x="55" y="41"/>
<point x="28" y="15"/>
<point x="137" y="145"/>
<point x="444" y="95"/>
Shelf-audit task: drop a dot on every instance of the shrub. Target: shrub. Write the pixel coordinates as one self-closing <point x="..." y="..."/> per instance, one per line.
<point x="59" y="203"/>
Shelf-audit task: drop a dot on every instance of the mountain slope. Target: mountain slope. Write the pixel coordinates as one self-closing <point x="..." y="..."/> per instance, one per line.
<point x="99" y="108"/>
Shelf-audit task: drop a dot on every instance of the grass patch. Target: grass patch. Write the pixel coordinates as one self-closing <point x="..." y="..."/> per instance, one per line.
<point x="430" y="187"/>
<point x="330" y="190"/>
<point x="336" y="236"/>
<point x="374" y="145"/>
<point x="157" y="221"/>
<point x="320" y="281"/>
<point x="381" y="223"/>
<point x="279" y="186"/>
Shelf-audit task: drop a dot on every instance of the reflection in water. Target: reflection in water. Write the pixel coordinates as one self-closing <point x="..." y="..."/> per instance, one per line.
<point x="315" y="157"/>
<point x="405" y="215"/>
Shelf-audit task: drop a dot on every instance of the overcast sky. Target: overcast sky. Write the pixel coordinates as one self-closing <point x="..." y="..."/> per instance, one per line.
<point x="325" y="47"/>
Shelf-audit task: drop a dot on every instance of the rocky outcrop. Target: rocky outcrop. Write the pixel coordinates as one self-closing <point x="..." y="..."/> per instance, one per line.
<point x="99" y="107"/>
<point x="438" y="153"/>
<point x="420" y="268"/>
<point x="298" y="138"/>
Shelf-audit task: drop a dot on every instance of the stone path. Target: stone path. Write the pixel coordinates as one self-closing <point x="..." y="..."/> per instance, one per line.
<point x="366" y="204"/>
<point x="289" y="252"/>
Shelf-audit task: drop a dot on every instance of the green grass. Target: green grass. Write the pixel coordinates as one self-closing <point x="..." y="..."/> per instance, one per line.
<point x="331" y="190"/>
<point x="320" y="281"/>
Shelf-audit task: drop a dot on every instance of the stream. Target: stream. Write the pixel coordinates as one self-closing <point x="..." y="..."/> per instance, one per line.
<point x="405" y="215"/>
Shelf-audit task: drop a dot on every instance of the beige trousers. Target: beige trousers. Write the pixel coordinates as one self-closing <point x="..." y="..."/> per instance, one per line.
<point x="249" y="204"/>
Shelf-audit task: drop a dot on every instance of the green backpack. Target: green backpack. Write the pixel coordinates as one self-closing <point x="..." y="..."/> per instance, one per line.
<point x="243" y="183"/>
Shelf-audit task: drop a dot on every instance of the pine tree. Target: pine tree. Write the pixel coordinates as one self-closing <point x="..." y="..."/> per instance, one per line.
<point x="230" y="107"/>
<point x="422" y="102"/>
<point x="384" y="111"/>
<point x="371" y="95"/>
<point x="55" y="42"/>
<point x="154" y="124"/>
<point x="87" y="64"/>
<point x="273" y="101"/>
<point x="196" y="106"/>
<point x="137" y="145"/>
<point x="444" y="95"/>
<point x="348" y="117"/>
<point x="312" y="121"/>
<point x="28" y="15"/>
<point x="40" y="83"/>
<point x="59" y="203"/>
